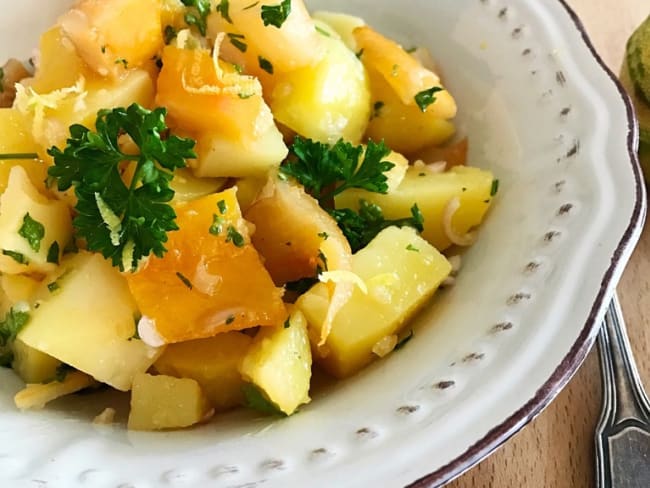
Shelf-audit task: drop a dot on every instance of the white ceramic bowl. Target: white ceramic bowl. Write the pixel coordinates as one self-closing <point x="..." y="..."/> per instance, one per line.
<point x="550" y="120"/>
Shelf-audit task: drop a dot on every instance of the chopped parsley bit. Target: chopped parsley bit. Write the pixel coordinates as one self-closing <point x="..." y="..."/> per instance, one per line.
<point x="265" y="64"/>
<point x="422" y="174"/>
<point x="136" y="321"/>
<point x="185" y="280"/>
<point x="199" y="16"/>
<point x="322" y="31"/>
<point x="170" y="34"/>
<point x="103" y="48"/>
<point x="427" y="97"/>
<point x="323" y="261"/>
<point x="495" y="187"/>
<point x="91" y="163"/>
<point x="223" y="8"/>
<point x="376" y="109"/>
<point x="230" y="319"/>
<point x="252" y="5"/>
<point x="323" y="235"/>
<point x="235" y="237"/>
<point x="404" y="341"/>
<point x="25" y="156"/>
<point x="238" y="68"/>
<point x="53" y="253"/>
<point x="237" y="41"/>
<point x="33" y="232"/>
<point x="123" y="62"/>
<point x="12" y="324"/>
<point x="217" y="225"/>
<point x="222" y="206"/>
<point x="16" y="256"/>
<point x="54" y="286"/>
<point x="359" y="53"/>
<point x="287" y="323"/>
<point x="362" y="227"/>
<point x="464" y="189"/>
<point x="395" y="71"/>
<point x="411" y="247"/>
<point x="255" y="399"/>
<point x="486" y="201"/>
<point x="61" y="373"/>
<point x="276" y="15"/>
<point x="411" y="50"/>
<point x="245" y="96"/>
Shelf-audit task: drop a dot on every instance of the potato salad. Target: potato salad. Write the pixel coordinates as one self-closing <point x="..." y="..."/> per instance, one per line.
<point x="203" y="200"/>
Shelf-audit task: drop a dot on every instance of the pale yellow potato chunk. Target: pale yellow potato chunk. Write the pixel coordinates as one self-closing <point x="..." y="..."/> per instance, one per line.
<point x="18" y="200"/>
<point x="213" y="363"/>
<point x="342" y="24"/>
<point x="17" y="139"/>
<point x="188" y="187"/>
<point x="89" y="322"/>
<point x="19" y="288"/>
<point x="32" y="365"/>
<point x="401" y="272"/>
<point x="327" y="101"/>
<point x="433" y="192"/>
<point x="278" y="363"/>
<point x="163" y="402"/>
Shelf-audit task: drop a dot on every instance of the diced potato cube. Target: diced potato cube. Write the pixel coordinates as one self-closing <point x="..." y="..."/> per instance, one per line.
<point x="88" y="322"/>
<point x="222" y="156"/>
<point x="59" y="64"/>
<point x="17" y="139"/>
<point x="38" y="395"/>
<point x="22" y="208"/>
<point x="343" y="25"/>
<point x="32" y="365"/>
<point x="112" y="36"/>
<point x="405" y="127"/>
<point x="213" y="363"/>
<point x="19" y="288"/>
<point x="278" y="363"/>
<point x="433" y="192"/>
<point x="79" y="104"/>
<point x="163" y="402"/>
<point x="327" y="101"/>
<point x="401" y="271"/>
<point x="188" y="187"/>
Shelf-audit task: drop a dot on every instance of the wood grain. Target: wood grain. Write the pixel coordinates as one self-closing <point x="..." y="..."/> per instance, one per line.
<point x="557" y="449"/>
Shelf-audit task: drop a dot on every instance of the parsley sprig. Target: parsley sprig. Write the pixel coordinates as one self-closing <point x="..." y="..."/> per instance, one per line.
<point x="361" y="227"/>
<point x="197" y="14"/>
<point x="124" y="223"/>
<point x="325" y="171"/>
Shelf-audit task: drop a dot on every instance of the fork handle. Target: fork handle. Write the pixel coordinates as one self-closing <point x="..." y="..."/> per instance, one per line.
<point x="623" y="432"/>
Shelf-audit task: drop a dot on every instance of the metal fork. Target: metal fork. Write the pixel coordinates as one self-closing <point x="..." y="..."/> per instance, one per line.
<point x="623" y="432"/>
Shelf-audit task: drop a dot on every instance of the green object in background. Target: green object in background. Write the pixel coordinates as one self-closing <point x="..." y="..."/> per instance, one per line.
<point x="635" y="77"/>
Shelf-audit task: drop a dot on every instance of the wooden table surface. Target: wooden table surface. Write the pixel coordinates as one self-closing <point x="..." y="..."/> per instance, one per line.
<point x="557" y="449"/>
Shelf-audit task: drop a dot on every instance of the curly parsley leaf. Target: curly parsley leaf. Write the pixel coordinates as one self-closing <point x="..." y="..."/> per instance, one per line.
<point x="276" y="15"/>
<point x="426" y="97"/>
<point x="124" y="223"/>
<point x="255" y="399"/>
<point x="320" y="167"/>
<point x="197" y="14"/>
<point x="361" y="227"/>
<point x="12" y="324"/>
<point x="32" y="231"/>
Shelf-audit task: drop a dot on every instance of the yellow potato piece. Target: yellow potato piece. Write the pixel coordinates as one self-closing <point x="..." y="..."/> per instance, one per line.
<point x="278" y="363"/>
<point x="213" y="363"/>
<point x="401" y="272"/>
<point x="433" y="192"/>
<point x="32" y="365"/>
<point x="162" y="402"/>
